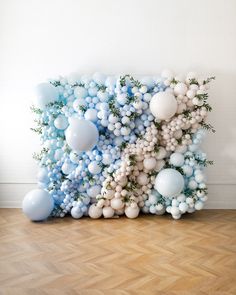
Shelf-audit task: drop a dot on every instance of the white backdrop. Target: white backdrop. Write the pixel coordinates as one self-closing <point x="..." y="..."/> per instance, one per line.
<point x="43" y="38"/>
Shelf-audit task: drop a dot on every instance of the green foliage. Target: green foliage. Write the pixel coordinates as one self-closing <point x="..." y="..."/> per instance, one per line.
<point x="114" y="110"/>
<point x="83" y="108"/>
<point x="56" y="104"/>
<point x="157" y="125"/>
<point x="131" y="185"/>
<point x="38" y="130"/>
<point x="174" y="81"/>
<point x="55" y="83"/>
<point x="187" y="114"/>
<point x="207" y="126"/>
<point x="203" y="96"/>
<point x="101" y="88"/>
<point x="179" y="169"/>
<point x="35" y="110"/>
<point x="135" y="82"/>
<point x="132" y="159"/>
<point x="208" y="80"/>
<point x="204" y="162"/>
<point x="133" y="116"/>
<point x="193" y="81"/>
<point x="39" y="156"/>
<point x="78" y="84"/>
<point x="156" y="148"/>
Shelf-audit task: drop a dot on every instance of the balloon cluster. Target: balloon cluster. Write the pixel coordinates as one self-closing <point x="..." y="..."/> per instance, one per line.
<point x="120" y="145"/>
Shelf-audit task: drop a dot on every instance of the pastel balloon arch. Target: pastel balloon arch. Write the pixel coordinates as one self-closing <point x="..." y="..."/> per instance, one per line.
<point x="115" y="145"/>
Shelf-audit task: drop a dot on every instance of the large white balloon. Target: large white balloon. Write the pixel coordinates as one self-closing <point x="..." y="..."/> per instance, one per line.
<point x="163" y="105"/>
<point x="37" y="204"/>
<point x="81" y="135"/>
<point x="169" y="182"/>
<point x="46" y="93"/>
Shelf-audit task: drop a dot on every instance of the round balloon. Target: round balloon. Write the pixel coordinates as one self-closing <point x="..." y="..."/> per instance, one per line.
<point x="81" y="135"/>
<point x="177" y="159"/>
<point x="37" y="204"/>
<point x="46" y="93"/>
<point x="61" y="122"/>
<point x="163" y="105"/>
<point x="169" y="182"/>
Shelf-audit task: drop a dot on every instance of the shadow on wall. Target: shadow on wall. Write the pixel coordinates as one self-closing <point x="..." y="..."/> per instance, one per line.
<point x="221" y="146"/>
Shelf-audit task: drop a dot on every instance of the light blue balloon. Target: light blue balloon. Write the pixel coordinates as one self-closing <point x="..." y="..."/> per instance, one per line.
<point x="169" y="182"/>
<point x="81" y="135"/>
<point x="46" y="93"/>
<point x="43" y="175"/>
<point x="37" y="204"/>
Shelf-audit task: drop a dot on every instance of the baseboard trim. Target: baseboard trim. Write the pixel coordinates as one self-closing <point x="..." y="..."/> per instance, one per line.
<point x="221" y="196"/>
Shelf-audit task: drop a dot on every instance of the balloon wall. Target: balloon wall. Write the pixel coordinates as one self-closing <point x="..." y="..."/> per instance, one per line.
<point x="117" y="145"/>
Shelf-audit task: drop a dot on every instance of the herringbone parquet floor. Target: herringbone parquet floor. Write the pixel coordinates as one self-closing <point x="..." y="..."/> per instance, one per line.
<point x="148" y="255"/>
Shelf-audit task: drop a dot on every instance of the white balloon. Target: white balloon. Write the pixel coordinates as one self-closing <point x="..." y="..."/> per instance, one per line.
<point x="117" y="204"/>
<point x="45" y="94"/>
<point x="94" y="211"/>
<point x="81" y="135"/>
<point x="142" y="178"/>
<point x="93" y="191"/>
<point x="198" y="205"/>
<point x="169" y="182"/>
<point x="94" y="168"/>
<point x="160" y="164"/>
<point x="76" y="212"/>
<point x="78" y="103"/>
<point x="163" y="105"/>
<point x="174" y="211"/>
<point x="176" y="216"/>
<point x="80" y="92"/>
<point x="152" y="199"/>
<point x="192" y="184"/>
<point x="108" y="212"/>
<point x="161" y="153"/>
<point x="91" y="115"/>
<point x="149" y="163"/>
<point x="67" y="168"/>
<point x="37" y="204"/>
<point x="180" y="89"/>
<point x="199" y="178"/>
<point x="131" y="212"/>
<point x="43" y="175"/>
<point x="61" y="122"/>
<point x="177" y="159"/>
<point x="183" y="207"/>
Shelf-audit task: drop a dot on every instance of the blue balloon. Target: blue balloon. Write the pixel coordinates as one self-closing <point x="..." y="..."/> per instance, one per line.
<point x="81" y="135"/>
<point x="46" y="93"/>
<point x="37" y="204"/>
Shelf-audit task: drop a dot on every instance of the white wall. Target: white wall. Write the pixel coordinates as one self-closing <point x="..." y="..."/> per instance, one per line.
<point x="43" y="38"/>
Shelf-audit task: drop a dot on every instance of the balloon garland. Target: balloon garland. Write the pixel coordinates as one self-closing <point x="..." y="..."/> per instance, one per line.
<point x="120" y="145"/>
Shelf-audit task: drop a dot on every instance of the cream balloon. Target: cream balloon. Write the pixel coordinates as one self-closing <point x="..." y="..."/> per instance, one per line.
<point x="108" y="212"/>
<point x="117" y="203"/>
<point x="132" y="212"/>
<point x="163" y="105"/>
<point x="95" y="212"/>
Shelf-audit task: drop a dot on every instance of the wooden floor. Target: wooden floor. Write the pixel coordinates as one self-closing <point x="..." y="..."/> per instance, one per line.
<point x="148" y="255"/>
